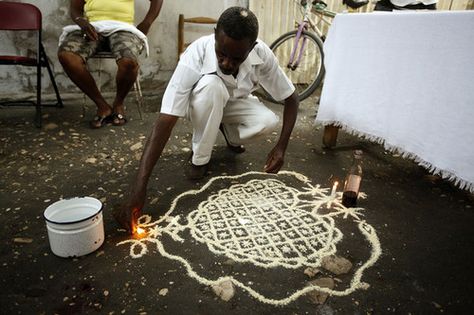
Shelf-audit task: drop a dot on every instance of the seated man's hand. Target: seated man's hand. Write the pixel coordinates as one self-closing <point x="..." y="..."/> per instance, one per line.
<point x="127" y="214"/>
<point x="274" y="160"/>
<point x="87" y="29"/>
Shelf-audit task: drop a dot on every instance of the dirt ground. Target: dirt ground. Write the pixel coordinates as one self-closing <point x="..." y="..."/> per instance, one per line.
<point x="424" y="224"/>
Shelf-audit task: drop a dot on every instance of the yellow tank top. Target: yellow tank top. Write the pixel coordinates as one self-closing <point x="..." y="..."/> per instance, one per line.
<point x="116" y="10"/>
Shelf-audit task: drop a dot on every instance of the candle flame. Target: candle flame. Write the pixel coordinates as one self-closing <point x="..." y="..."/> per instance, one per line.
<point x="140" y="230"/>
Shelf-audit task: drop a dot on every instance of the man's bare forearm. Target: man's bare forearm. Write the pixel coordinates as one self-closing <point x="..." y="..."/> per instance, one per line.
<point x="76" y="9"/>
<point x="153" y="149"/>
<point x="150" y="17"/>
<point x="290" y="113"/>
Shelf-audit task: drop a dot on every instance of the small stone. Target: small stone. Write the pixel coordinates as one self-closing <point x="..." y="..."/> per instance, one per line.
<point x="225" y="290"/>
<point x="436" y="305"/>
<point x="91" y="160"/>
<point x="163" y="292"/>
<point x="336" y="264"/>
<point x="136" y="146"/>
<point x="318" y="297"/>
<point x="311" y="272"/>
<point x="229" y="262"/>
<point x="50" y="126"/>
<point x="23" y="240"/>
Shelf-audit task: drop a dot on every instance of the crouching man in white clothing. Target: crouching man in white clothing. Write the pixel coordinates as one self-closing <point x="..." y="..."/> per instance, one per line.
<point x="212" y="87"/>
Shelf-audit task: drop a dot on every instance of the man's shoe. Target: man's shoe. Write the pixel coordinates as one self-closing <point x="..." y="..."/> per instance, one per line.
<point x="196" y="172"/>
<point x="234" y="148"/>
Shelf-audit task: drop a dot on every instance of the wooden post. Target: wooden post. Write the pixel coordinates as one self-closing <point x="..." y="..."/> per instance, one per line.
<point x="180" y="34"/>
<point x="330" y="136"/>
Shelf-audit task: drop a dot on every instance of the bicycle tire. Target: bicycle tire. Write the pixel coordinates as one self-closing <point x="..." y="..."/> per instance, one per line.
<point x="311" y="69"/>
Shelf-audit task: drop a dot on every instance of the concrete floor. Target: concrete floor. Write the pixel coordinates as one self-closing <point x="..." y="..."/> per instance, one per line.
<point x="424" y="224"/>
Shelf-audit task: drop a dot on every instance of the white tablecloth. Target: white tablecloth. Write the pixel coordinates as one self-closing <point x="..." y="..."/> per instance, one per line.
<point x="405" y="80"/>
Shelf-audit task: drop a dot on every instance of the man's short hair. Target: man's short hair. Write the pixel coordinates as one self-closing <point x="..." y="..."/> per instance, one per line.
<point x="238" y="23"/>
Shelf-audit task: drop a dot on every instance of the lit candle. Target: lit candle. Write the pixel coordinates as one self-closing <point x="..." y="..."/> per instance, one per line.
<point x="333" y="190"/>
<point x="140" y="230"/>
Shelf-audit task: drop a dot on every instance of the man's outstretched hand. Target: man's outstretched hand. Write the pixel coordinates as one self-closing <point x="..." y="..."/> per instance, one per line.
<point x="274" y="160"/>
<point x="127" y="214"/>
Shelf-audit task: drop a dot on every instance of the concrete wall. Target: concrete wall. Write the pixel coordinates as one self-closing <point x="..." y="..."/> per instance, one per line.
<point x="155" y="70"/>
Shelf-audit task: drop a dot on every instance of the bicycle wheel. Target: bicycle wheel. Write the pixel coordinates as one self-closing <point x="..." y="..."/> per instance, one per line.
<point x="308" y="73"/>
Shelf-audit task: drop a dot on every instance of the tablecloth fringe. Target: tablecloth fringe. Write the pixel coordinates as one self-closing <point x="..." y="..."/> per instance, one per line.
<point x="459" y="182"/>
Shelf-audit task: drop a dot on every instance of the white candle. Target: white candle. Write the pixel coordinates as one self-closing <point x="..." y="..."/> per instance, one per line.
<point x="333" y="190"/>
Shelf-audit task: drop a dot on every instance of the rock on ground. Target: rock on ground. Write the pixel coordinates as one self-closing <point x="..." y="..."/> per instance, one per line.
<point x="336" y="264"/>
<point x="318" y="297"/>
<point x="225" y="290"/>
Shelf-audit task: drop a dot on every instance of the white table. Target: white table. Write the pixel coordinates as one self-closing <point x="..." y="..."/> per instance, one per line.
<point x="405" y="80"/>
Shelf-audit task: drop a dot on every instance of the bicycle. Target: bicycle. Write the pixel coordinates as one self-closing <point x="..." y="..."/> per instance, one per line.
<point x="300" y="52"/>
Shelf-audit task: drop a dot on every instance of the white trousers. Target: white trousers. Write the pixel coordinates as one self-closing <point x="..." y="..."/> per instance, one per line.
<point x="244" y="119"/>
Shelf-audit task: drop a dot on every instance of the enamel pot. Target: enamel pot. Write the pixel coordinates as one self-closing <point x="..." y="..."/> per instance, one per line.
<point x="75" y="226"/>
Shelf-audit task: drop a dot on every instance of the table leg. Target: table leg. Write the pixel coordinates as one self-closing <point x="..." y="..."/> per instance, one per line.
<point x="330" y="136"/>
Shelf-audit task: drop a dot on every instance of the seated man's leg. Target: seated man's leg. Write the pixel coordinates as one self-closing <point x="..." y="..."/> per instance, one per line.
<point x="247" y="120"/>
<point x="206" y="107"/>
<point x="73" y="54"/>
<point x="126" y="47"/>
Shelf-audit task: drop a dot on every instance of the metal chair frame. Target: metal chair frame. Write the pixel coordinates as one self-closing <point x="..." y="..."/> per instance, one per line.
<point x="16" y="16"/>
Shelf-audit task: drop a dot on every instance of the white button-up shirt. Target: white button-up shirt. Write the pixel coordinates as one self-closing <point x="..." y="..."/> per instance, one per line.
<point x="260" y="67"/>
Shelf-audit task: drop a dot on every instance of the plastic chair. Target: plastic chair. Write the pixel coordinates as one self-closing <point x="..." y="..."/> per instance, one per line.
<point x="16" y="16"/>
<point x="181" y="27"/>
<point x="104" y="54"/>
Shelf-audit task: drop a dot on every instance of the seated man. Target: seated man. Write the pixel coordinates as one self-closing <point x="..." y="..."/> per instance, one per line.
<point x="212" y="86"/>
<point x="105" y="24"/>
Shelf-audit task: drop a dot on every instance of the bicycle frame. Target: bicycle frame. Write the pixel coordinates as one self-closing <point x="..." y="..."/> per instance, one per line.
<point x="307" y="9"/>
<point x="291" y="63"/>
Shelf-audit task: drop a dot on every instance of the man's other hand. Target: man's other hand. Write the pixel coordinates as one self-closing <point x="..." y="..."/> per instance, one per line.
<point x="274" y="160"/>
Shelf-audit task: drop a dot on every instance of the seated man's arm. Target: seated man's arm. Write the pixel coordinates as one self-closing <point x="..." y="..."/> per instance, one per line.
<point x="152" y="14"/>
<point x="77" y="15"/>
<point x="276" y="156"/>
<point x="77" y="9"/>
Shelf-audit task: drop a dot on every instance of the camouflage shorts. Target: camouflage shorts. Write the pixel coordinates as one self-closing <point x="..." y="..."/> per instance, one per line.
<point x="121" y="44"/>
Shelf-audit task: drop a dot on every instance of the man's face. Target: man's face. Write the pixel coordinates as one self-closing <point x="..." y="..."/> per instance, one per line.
<point x="231" y="52"/>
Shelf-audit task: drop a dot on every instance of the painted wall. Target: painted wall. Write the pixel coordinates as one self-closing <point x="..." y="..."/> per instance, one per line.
<point x="155" y="70"/>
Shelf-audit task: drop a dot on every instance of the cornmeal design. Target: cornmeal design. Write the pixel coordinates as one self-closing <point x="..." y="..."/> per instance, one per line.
<point x="263" y="222"/>
<point x="260" y="222"/>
